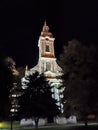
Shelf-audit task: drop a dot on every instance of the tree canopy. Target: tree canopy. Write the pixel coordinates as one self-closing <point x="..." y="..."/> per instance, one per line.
<point x="6" y="82"/>
<point x="37" y="100"/>
<point x="79" y="63"/>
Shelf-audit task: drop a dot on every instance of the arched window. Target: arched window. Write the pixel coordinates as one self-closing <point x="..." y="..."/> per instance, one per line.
<point x="47" y="48"/>
<point x="48" y="66"/>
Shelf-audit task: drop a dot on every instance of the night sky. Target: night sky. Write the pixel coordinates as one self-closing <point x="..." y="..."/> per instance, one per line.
<point x="21" y="23"/>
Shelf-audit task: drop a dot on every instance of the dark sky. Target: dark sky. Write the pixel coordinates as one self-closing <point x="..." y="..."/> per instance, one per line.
<point x="21" y="23"/>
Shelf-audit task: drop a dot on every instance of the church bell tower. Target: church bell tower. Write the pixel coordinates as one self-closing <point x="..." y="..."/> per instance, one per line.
<point x="47" y="60"/>
<point x="46" y="43"/>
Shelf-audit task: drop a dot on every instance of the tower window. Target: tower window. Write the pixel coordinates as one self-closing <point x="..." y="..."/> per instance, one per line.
<point x="47" y="48"/>
<point x="48" y="66"/>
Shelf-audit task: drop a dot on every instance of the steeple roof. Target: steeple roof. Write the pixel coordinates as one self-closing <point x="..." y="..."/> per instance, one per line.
<point x="45" y="31"/>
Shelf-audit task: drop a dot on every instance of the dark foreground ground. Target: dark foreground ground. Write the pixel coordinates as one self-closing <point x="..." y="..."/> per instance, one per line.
<point x="78" y="126"/>
<point x="67" y="127"/>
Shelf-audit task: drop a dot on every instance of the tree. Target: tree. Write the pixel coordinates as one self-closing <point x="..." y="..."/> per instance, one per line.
<point x="14" y="88"/>
<point x="6" y="78"/>
<point x="79" y="63"/>
<point x="37" y="100"/>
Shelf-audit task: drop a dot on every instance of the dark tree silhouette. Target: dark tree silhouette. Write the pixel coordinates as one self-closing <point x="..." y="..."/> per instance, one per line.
<point x="6" y="79"/>
<point x="37" y="100"/>
<point x="79" y="63"/>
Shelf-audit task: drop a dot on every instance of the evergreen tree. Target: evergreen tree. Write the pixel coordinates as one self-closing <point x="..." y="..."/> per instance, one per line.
<point x="36" y="100"/>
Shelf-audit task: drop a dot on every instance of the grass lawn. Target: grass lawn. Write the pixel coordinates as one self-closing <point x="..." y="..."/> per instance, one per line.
<point x="6" y="126"/>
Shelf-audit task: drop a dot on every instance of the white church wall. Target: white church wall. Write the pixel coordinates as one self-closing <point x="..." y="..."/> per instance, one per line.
<point x="31" y="122"/>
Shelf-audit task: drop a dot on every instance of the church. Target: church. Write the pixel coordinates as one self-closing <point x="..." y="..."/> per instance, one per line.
<point x="47" y="63"/>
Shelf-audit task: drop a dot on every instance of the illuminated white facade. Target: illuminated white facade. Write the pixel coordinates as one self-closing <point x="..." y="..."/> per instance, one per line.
<point x="47" y="62"/>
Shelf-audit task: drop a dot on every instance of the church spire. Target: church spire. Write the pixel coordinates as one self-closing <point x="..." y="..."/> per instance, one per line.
<point x="45" y="30"/>
<point x="45" y="27"/>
